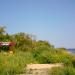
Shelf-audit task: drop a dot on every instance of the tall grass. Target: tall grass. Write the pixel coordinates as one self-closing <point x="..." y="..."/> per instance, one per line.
<point x="15" y="63"/>
<point x="11" y="64"/>
<point x="62" y="71"/>
<point x="51" y="55"/>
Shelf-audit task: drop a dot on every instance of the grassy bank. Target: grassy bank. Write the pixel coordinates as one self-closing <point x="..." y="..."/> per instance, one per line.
<point x="11" y="64"/>
<point x="62" y="71"/>
<point x="28" y="50"/>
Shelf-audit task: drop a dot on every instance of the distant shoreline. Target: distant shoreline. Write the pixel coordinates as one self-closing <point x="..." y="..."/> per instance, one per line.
<point x="71" y="51"/>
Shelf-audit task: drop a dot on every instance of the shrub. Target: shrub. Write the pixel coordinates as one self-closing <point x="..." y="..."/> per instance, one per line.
<point x="42" y="53"/>
<point x="73" y="62"/>
<point x="69" y="71"/>
<point x="62" y="71"/>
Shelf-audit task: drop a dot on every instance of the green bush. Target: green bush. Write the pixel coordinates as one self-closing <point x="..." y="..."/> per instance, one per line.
<point x="73" y="62"/>
<point x="42" y="53"/>
<point x="62" y="71"/>
<point x="69" y="71"/>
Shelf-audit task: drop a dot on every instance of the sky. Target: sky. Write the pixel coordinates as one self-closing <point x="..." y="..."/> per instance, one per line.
<point x="51" y="20"/>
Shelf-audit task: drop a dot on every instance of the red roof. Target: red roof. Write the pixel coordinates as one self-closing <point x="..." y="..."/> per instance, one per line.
<point x="7" y="43"/>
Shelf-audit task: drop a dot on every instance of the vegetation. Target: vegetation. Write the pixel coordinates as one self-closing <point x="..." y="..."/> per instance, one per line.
<point x="27" y="50"/>
<point x="62" y="71"/>
<point x="11" y="64"/>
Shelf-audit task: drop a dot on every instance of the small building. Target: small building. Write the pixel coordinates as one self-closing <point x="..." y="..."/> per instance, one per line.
<point x="6" y="46"/>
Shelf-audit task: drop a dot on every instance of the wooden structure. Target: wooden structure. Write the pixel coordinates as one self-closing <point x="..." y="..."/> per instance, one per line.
<point x="7" y="44"/>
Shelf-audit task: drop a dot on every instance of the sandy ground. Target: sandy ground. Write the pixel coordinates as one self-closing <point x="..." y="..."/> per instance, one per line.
<point x="42" y="66"/>
<point x="40" y="69"/>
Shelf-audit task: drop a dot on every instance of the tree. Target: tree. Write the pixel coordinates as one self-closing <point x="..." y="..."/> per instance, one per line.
<point x="2" y="29"/>
<point x="23" y="41"/>
<point x="44" y="43"/>
<point x="2" y="33"/>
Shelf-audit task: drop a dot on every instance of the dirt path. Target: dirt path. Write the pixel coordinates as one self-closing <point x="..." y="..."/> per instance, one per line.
<point x="42" y="66"/>
<point x="39" y="69"/>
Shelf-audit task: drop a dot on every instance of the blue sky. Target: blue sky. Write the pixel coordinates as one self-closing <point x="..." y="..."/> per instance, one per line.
<point x="51" y="20"/>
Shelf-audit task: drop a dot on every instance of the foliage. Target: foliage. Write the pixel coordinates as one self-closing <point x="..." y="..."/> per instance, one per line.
<point x="62" y="71"/>
<point x="40" y="54"/>
<point x="11" y="64"/>
<point x="23" y="41"/>
<point x="73" y="61"/>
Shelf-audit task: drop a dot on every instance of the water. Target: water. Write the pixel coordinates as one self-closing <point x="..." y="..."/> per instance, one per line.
<point x="72" y="50"/>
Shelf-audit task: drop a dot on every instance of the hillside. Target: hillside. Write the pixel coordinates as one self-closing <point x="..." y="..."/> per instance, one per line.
<point x="30" y="51"/>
